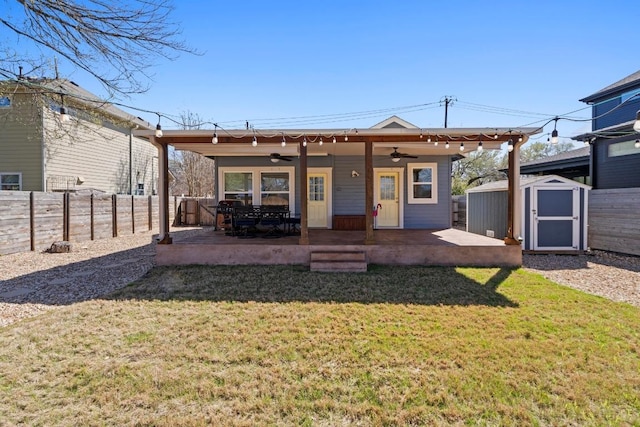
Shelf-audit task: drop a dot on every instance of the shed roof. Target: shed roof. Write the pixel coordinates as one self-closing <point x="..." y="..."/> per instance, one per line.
<point x="526" y="182"/>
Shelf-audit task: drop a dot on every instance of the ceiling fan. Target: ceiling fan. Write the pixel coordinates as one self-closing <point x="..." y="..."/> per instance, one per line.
<point x="396" y="156"/>
<point x="276" y="157"/>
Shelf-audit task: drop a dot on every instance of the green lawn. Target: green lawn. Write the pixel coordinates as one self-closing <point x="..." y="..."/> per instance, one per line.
<point x="283" y="346"/>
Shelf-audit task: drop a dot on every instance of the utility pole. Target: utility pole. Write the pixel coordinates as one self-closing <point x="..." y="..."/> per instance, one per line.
<point x="447" y="101"/>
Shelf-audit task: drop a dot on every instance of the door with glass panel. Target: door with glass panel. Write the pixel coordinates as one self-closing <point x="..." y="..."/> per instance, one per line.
<point x="317" y="202"/>
<point x="387" y="199"/>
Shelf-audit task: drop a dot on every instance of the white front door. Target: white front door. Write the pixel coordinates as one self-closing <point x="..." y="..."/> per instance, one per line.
<point x="387" y="192"/>
<point x="318" y="198"/>
<point x="556" y="218"/>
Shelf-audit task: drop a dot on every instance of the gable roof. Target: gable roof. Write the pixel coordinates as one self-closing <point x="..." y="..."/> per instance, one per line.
<point x="394" y="122"/>
<point x="619" y="86"/>
<point x="79" y="96"/>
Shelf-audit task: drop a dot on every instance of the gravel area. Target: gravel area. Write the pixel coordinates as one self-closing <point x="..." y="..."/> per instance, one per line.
<point x="33" y="282"/>
<point x="609" y="275"/>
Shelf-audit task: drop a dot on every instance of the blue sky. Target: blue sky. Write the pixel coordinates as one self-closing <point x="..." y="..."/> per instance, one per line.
<point x="284" y="59"/>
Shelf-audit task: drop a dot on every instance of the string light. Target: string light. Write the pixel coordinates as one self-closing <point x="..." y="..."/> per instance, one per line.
<point x="214" y="140"/>
<point x="446" y="145"/>
<point x="63" y="111"/>
<point x="428" y="138"/>
<point x="284" y="141"/>
<point x="420" y="133"/>
<point x="510" y="145"/>
<point x="346" y="137"/>
<point x="480" y="148"/>
<point x="462" y="146"/>
<point x="495" y="136"/>
<point x="435" y="143"/>
<point x="554" y="134"/>
<point x="255" y="141"/>
<point x="637" y="144"/>
<point x="334" y="139"/>
<point x="320" y="142"/>
<point x="304" y="141"/>
<point x="158" y="128"/>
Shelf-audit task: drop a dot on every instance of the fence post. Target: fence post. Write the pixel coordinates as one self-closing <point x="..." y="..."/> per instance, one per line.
<point x="150" y="213"/>
<point x="32" y="221"/>
<point x="65" y="216"/>
<point x="114" y="214"/>
<point x="133" y="215"/>
<point x="92" y="219"/>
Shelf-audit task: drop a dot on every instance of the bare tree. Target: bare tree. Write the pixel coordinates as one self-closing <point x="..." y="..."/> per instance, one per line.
<point x="194" y="171"/>
<point x="115" y="41"/>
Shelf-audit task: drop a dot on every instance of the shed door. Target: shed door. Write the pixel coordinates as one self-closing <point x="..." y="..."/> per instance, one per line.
<point x="556" y="218"/>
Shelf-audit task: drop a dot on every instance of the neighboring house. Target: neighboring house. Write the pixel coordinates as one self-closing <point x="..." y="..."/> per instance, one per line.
<point x="91" y="147"/>
<point x="573" y="164"/>
<point x="408" y="187"/>
<point x="614" y="223"/>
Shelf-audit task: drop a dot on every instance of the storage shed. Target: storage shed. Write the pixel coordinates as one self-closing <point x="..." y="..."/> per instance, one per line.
<point x="554" y="212"/>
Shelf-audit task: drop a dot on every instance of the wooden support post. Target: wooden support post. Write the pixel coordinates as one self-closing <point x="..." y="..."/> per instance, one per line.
<point x="368" y="166"/>
<point x="163" y="192"/>
<point x="304" y="229"/>
<point x="513" y="190"/>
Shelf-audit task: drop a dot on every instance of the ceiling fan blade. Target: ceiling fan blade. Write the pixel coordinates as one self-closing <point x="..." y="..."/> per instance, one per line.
<point x="285" y="158"/>
<point x="409" y="156"/>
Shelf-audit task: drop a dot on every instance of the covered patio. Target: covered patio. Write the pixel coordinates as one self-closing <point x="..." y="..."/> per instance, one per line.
<point x="399" y="246"/>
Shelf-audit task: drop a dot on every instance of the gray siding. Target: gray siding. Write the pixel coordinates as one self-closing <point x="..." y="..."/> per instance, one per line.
<point x="614" y="172"/>
<point x="614" y="222"/>
<point x="623" y="114"/>
<point x="487" y="211"/>
<point x="349" y="192"/>
<point x="21" y="142"/>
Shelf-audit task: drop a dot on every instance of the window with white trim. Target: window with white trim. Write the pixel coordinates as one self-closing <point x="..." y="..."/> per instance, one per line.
<point x="258" y="186"/>
<point x="10" y="181"/>
<point x="423" y="183"/>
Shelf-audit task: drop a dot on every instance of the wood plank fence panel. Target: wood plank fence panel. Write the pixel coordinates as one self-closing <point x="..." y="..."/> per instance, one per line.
<point x="123" y="210"/>
<point x="614" y="222"/>
<point x="48" y="219"/>
<point x="79" y="217"/>
<point x="141" y="213"/>
<point x="15" y="222"/>
<point x="23" y="228"/>
<point x="102" y="216"/>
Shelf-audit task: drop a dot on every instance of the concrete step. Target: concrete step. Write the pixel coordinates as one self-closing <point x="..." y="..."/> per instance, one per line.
<point x="337" y="261"/>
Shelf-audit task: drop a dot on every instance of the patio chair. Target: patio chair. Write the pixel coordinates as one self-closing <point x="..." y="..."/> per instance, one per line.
<point x="245" y="219"/>
<point x="272" y="216"/>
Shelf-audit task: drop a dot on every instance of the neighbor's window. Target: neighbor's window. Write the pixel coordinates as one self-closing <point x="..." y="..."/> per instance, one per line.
<point x="239" y="186"/>
<point x="11" y="181"/>
<point x="274" y="188"/>
<point x="623" y="148"/>
<point x="423" y="183"/>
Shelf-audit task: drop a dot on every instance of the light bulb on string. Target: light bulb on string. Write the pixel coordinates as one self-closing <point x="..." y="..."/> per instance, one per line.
<point x="435" y="143"/>
<point x="214" y="140"/>
<point x="480" y="148"/>
<point x="304" y="141"/>
<point x="446" y="145"/>
<point x="284" y="141"/>
<point x="554" y="134"/>
<point x="462" y="146"/>
<point x="320" y="142"/>
<point x="334" y="140"/>
<point x="255" y="141"/>
<point x="158" y="128"/>
<point x="510" y="145"/>
<point x="637" y="144"/>
<point x="346" y="137"/>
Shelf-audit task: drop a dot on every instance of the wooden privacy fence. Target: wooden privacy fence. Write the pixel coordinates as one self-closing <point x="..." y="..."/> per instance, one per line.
<point x="31" y="221"/>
